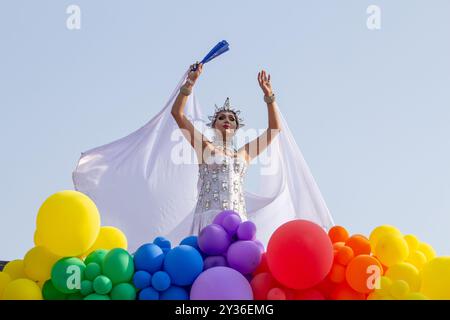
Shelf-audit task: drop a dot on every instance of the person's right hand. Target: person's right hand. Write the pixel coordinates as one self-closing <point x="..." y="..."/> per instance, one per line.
<point x="193" y="75"/>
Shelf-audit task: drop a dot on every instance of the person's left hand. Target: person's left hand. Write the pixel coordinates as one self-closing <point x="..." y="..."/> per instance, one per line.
<point x="264" y="83"/>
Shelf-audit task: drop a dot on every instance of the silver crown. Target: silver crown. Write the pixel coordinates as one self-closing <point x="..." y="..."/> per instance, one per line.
<point x="226" y="107"/>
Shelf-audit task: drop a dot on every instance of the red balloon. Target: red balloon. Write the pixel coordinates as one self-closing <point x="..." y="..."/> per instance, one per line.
<point x="261" y="285"/>
<point x="276" y="294"/>
<point x="309" y="294"/>
<point x="299" y="254"/>
<point x="262" y="265"/>
<point x="344" y="292"/>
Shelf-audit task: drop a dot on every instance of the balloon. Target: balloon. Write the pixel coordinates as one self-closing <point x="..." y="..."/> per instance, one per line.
<point x="407" y="272"/>
<point x="191" y="241"/>
<point x="337" y="246"/>
<point x="174" y="293"/>
<point x="213" y="239"/>
<point x="68" y="223"/>
<point x="244" y="256"/>
<point x="415" y="296"/>
<point x="221" y="283"/>
<point x="359" y="244"/>
<point x="37" y="239"/>
<point x="183" y="264"/>
<point x="218" y="219"/>
<point x="96" y="256"/>
<point x="417" y="258"/>
<point x="427" y="250"/>
<point x="436" y="279"/>
<point x="149" y="294"/>
<point x="380" y="232"/>
<point x="338" y="234"/>
<point x="15" y="269"/>
<point x="260" y="246"/>
<point x="384" y="286"/>
<point x="118" y="266"/>
<point x="412" y="241"/>
<point x="344" y="292"/>
<point x="67" y="274"/>
<point x="309" y="294"/>
<point x="123" y="291"/>
<point x="247" y="231"/>
<point x="49" y="292"/>
<point x="161" y="280"/>
<point x="361" y="273"/>
<point x="38" y="263"/>
<point x="22" y="289"/>
<point x="96" y="296"/>
<point x="399" y="289"/>
<point x="92" y="271"/>
<point x="276" y="294"/>
<point x="215" y="261"/>
<point x="109" y="238"/>
<point x="102" y="285"/>
<point x="231" y="223"/>
<point x="149" y="257"/>
<point x="299" y="254"/>
<point x="263" y="267"/>
<point x="87" y="287"/>
<point x="374" y="296"/>
<point x="344" y="255"/>
<point x="142" y="279"/>
<point x="4" y="280"/>
<point x="391" y="249"/>
<point x="75" y="296"/>
<point x="337" y="273"/>
<point x="162" y="242"/>
<point x="261" y="284"/>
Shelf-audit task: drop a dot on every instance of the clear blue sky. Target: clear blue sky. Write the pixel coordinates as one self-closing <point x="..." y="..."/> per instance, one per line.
<point x="370" y="109"/>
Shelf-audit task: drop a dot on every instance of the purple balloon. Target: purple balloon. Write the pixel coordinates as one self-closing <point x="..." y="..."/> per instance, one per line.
<point x="215" y="261"/>
<point x="260" y="246"/>
<point x="231" y="223"/>
<point x="244" y="256"/>
<point x="221" y="283"/>
<point x="246" y="231"/>
<point x="213" y="239"/>
<point x="218" y="219"/>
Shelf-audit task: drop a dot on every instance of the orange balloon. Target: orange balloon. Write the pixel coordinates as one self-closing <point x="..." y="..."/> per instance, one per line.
<point x="344" y="255"/>
<point x="359" y="243"/>
<point x="344" y="292"/>
<point x="337" y="246"/>
<point x="338" y="234"/>
<point x="337" y="273"/>
<point x="362" y="273"/>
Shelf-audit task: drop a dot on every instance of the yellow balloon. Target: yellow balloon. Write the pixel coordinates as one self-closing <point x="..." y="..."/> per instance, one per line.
<point x="380" y="232"/>
<point x="37" y="239"/>
<point x="15" y="269"/>
<point x="391" y="249"/>
<point x="427" y="250"/>
<point x="412" y="242"/>
<point x="68" y="223"/>
<point x="436" y="278"/>
<point x="109" y="238"/>
<point x="41" y="283"/>
<point x="415" y="296"/>
<point x="4" y="280"/>
<point x="417" y="258"/>
<point x="384" y="286"/>
<point x="38" y="263"/>
<point x="22" y="289"/>
<point x="374" y="296"/>
<point x="399" y="289"/>
<point x="407" y="272"/>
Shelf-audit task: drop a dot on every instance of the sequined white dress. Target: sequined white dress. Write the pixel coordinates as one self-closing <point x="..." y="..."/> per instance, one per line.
<point x="220" y="187"/>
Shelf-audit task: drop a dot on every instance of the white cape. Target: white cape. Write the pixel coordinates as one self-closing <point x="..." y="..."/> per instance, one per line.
<point x="138" y="189"/>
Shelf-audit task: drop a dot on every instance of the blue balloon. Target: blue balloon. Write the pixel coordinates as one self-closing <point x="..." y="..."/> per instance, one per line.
<point x="191" y="241"/>
<point x="161" y="281"/>
<point x="183" y="264"/>
<point x="148" y="294"/>
<point x="162" y="242"/>
<point x="142" y="279"/>
<point x="149" y="257"/>
<point x="174" y="293"/>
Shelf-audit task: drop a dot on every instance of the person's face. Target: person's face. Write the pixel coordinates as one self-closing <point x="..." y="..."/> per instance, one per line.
<point x="226" y="123"/>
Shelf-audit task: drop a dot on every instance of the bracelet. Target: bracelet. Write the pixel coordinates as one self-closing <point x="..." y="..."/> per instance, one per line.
<point x="270" y="99"/>
<point x="185" y="90"/>
<point x="190" y="81"/>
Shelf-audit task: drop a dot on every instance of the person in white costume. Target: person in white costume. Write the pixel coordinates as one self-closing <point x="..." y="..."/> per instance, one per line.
<point x="148" y="184"/>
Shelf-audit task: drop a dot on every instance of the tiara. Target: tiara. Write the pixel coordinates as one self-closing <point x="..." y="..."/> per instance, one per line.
<point x="226" y="107"/>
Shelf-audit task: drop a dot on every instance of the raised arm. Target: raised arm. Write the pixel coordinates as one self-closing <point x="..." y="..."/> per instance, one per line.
<point x="252" y="149"/>
<point x="194" y="137"/>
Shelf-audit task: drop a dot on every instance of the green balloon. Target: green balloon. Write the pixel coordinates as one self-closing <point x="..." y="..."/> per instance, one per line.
<point x="67" y="274"/>
<point x="123" y="291"/>
<point x="75" y="296"/>
<point x="118" y="266"/>
<point x="92" y="271"/>
<point x="49" y="292"/>
<point x="96" y="256"/>
<point x="96" y="296"/>
<point x="102" y="285"/>
<point x="86" y="287"/>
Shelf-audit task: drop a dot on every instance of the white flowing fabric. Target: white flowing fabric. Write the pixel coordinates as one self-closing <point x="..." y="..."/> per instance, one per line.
<point x="139" y="189"/>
